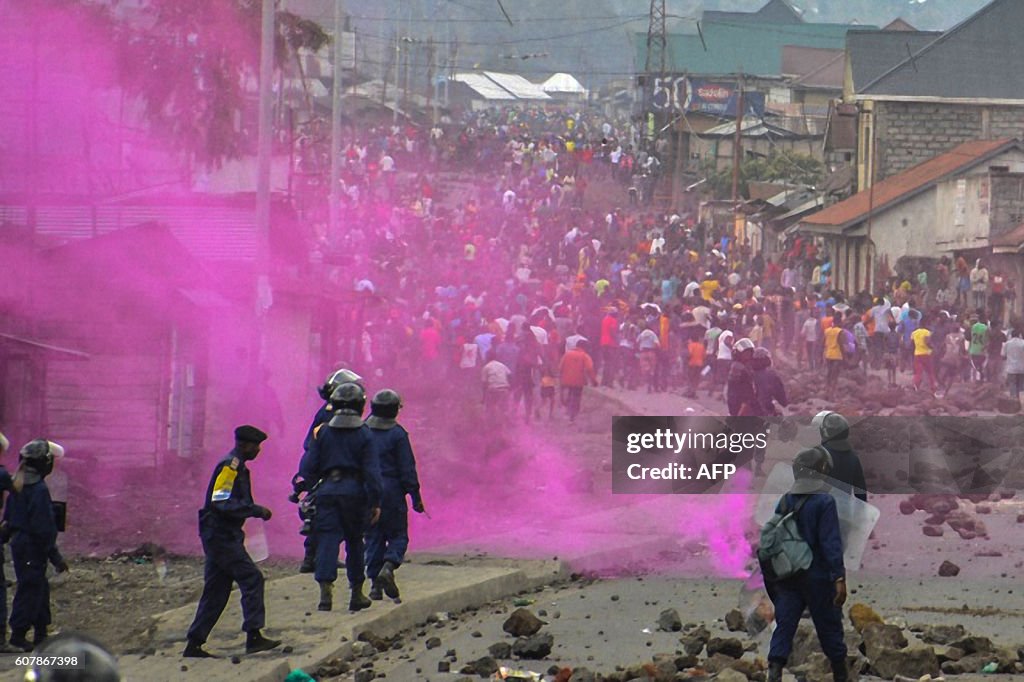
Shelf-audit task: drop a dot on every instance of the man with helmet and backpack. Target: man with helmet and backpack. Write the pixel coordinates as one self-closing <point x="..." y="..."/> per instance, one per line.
<point x="30" y="520"/>
<point x="801" y="557"/>
<point x="299" y="486"/>
<point x="343" y="459"/>
<point x="388" y="540"/>
<point x="740" y="396"/>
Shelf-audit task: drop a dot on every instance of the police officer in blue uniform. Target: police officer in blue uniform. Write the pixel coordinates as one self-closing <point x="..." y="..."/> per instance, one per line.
<point x="228" y="504"/>
<point x="387" y="542"/>
<point x="343" y="460"/>
<point x="6" y="486"/>
<point x="30" y="519"/>
<point x="322" y="416"/>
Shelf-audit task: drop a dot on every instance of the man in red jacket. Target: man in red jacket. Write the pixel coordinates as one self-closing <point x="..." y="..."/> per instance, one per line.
<point x="575" y="370"/>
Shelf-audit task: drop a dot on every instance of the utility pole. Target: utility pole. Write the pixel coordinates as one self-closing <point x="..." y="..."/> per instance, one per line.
<point x="266" y="135"/>
<point x="398" y="54"/>
<point x="737" y="156"/>
<point x="654" y="64"/>
<point x="431" y="85"/>
<point x="335" y="193"/>
<point x="737" y="152"/>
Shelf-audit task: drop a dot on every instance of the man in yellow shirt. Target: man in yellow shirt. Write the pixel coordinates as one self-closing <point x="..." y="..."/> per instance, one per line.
<point x="921" y="338"/>
<point x="708" y="287"/>
<point x="833" y="355"/>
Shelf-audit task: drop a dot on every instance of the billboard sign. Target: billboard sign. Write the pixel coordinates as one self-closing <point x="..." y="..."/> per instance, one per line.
<point x="701" y="95"/>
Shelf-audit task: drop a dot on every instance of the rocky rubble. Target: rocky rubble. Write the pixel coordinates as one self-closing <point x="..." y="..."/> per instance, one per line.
<point x="890" y="649"/>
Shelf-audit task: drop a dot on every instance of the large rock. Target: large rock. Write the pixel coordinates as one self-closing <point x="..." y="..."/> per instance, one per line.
<point x="500" y="650"/>
<point x="914" y="662"/>
<point x="693" y="641"/>
<point x="718" y="662"/>
<point x="805" y="642"/>
<point x="730" y="675"/>
<point x="862" y="615"/>
<point x="948" y="569"/>
<point x="974" y="644"/>
<point x="879" y="638"/>
<point x="735" y="621"/>
<point x="816" y="669"/>
<point x="669" y="621"/>
<point x="481" y="667"/>
<point x="522" y="623"/>
<point x="969" y="664"/>
<point x="722" y="645"/>
<point x="535" y="647"/>
<point x="942" y="634"/>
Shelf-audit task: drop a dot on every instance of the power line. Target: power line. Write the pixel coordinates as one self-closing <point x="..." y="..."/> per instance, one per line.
<point x="519" y="40"/>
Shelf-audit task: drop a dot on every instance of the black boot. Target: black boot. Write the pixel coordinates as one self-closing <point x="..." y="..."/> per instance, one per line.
<point x="376" y="590"/>
<point x="326" y="596"/>
<point x="387" y="580"/>
<point x="358" y="602"/>
<point x="6" y="648"/>
<point x="196" y="650"/>
<point x="840" y="671"/>
<point x="774" y="671"/>
<point x="255" y="642"/>
<point x="308" y="564"/>
<point x="39" y="636"/>
<point x="20" y="641"/>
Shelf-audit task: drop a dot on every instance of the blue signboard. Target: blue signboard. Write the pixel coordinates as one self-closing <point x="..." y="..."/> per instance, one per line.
<point x="700" y="95"/>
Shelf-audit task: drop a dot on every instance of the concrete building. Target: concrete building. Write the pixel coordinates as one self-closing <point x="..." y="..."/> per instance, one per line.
<point x="960" y="203"/>
<point x="920" y="94"/>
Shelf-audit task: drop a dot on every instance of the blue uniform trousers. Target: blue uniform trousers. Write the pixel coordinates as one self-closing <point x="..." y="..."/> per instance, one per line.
<point x="227" y="562"/>
<point x="389" y="539"/>
<point x="31" y="605"/>
<point x="340" y="518"/>
<point x="3" y="594"/>
<point x="817" y="595"/>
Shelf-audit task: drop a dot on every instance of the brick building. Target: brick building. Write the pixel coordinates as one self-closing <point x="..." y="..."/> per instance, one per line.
<point x="920" y="94"/>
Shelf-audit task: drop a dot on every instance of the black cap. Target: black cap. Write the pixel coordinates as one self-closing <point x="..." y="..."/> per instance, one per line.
<point x="249" y="434"/>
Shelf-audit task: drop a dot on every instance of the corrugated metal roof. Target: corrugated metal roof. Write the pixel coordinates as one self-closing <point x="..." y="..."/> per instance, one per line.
<point x="753" y="49"/>
<point x="909" y="182"/>
<point x="483" y="86"/>
<point x="517" y="85"/>
<point x="978" y="58"/>
<point x="871" y="53"/>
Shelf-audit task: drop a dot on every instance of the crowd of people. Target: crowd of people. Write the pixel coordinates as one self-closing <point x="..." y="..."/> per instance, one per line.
<point x="510" y="285"/>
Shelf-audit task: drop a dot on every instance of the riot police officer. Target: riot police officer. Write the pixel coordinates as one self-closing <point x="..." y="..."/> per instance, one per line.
<point x="387" y="542"/>
<point x="342" y="376"/>
<point x="29" y="518"/>
<point x="228" y="504"/>
<point x="342" y="458"/>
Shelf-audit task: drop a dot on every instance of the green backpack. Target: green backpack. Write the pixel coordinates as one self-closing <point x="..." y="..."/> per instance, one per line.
<point x="783" y="553"/>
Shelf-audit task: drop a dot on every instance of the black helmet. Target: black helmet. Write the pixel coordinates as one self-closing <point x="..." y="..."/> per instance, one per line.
<point x="94" y="661"/>
<point x="384" y="409"/>
<point x="37" y="458"/>
<point x="762" y="358"/>
<point x="348" y="401"/>
<point x="337" y="378"/>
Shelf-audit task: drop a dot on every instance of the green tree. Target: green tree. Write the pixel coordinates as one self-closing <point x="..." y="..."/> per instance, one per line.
<point x="188" y="62"/>
<point x="782" y="166"/>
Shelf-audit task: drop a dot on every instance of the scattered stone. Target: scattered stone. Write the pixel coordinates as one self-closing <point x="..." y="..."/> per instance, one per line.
<point x="907" y="507"/>
<point x="942" y="634"/>
<point x="735" y="621"/>
<point x="522" y="623"/>
<point x="969" y="664"/>
<point x="816" y="669"/>
<point x="879" y="638"/>
<point x="365" y="675"/>
<point x="947" y="653"/>
<point x="476" y="634"/>
<point x="500" y="650"/>
<point x="669" y="621"/>
<point x="444" y="667"/>
<point x="913" y="661"/>
<point x="535" y="647"/>
<point x="862" y="615"/>
<point x="693" y="642"/>
<point x="1020" y="518"/>
<point x="235" y="660"/>
<point x="948" y="569"/>
<point x="615" y="597"/>
<point x="685" y="661"/>
<point x="932" y="531"/>
<point x="433" y="642"/>
<point x="974" y="644"/>
<point x="730" y="675"/>
<point x="718" y="662"/>
<point x="288" y="649"/>
<point x="935" y="520"/>
<point x="484" y="666"/>
<point x="805" y="641"/>
<point x="583" y="675"/>
<point x="731" y="647"/>
<point x="748" y="667"/>
<point x="983" y="509"/>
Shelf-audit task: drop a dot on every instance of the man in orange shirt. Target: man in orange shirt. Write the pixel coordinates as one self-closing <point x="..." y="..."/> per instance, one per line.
<point x="575" y="370"/>
<point x="694" y="363"/>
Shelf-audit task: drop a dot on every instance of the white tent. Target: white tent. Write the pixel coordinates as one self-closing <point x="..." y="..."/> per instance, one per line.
<point x="563" y="83"/>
